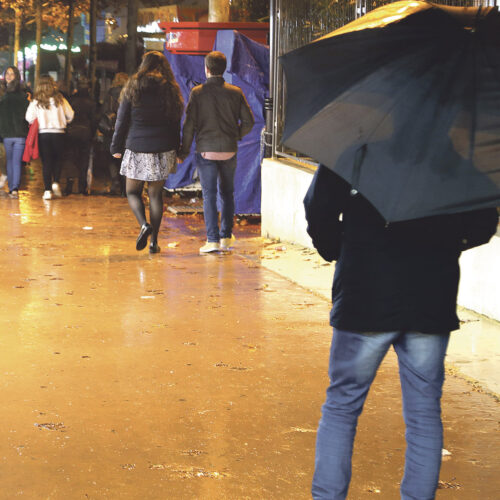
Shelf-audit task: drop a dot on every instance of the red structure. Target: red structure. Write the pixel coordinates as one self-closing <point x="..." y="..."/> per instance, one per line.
<point x="199" y="38"/>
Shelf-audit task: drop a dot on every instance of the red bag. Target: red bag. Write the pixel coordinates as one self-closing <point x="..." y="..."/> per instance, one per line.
<point x="31" y="146"/>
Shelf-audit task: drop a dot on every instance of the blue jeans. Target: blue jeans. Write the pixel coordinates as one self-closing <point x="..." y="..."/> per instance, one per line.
<point x="213" y="174"/>
<point x="354" y="360"/>
<point x="14" y="148"/>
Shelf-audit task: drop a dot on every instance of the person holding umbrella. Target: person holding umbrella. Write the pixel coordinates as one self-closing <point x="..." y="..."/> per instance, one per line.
<point x="394" y="285"/>
<point x="408" y="143"/>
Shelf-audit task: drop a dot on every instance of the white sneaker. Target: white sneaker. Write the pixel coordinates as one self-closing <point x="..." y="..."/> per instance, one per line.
<point x="56" y="189"/>
<point x="47" y="195"/>
<point x="227" y="243"/>
<point x="210" y="246"/>
<point x="3" y="180"/>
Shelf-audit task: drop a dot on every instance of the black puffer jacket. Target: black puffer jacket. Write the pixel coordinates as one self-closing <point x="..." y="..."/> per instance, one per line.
<point x="145" y="128"/>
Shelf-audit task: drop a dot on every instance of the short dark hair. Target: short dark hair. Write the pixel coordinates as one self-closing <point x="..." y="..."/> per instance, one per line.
<point x="216" y="63"/>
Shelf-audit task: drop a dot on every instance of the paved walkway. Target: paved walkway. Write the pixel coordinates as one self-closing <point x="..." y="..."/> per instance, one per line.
<point x="474" y="350"/>
<point x="179" y="376"/>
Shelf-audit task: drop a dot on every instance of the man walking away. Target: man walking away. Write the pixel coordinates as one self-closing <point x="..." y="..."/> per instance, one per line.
<point x="395" y="284"/>
<point x="217" y="117"/>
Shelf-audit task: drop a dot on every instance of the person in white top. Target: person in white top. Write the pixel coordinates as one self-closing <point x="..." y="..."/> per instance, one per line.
<point x="53" y="113"/>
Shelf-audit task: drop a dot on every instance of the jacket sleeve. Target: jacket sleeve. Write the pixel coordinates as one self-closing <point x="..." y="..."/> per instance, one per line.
<point x="478" y="227"/>
<point x="189" y="127"/>
<point x="31" y="112"/>
<point x="246" y="117"/>
<point x="324" y="202"/>
<point x="121" y="127"/>
<point x="68" y="111"/>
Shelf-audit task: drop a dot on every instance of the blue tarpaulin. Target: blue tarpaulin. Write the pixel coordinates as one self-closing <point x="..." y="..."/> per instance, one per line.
<point x="247" y="68"/>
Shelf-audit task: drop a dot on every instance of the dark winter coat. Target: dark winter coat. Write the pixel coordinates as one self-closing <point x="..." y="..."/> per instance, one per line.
<point x="145" y="128"/>
<point x="397" y="277"/>
<point x="217" y="117"/>
<point x="13" y="106"/>
<point x="82" y="127"/>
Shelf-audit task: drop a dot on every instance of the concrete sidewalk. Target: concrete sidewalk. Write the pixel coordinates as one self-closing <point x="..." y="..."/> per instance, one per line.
<point x="179" y="376"/>
<point x="474" y="351"/>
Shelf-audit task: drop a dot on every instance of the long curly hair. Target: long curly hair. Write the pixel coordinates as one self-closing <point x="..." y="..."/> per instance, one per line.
<point x="44" y="90"/>
<point x="14" y="85"/>
<point x="155" y="68"/>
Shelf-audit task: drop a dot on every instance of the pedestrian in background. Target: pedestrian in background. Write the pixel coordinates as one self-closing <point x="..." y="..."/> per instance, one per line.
<point x="3" y="161"/>
<point x="3" y="165"/>
<point x="217" y="117"/>
<point x="147" y="134"/>
<point x="107" y="127"/>
<point x="53" y="113"/>
<point x="13" y="127"/>
<point x="79" y="133"/>
<point x="395" y="284"/>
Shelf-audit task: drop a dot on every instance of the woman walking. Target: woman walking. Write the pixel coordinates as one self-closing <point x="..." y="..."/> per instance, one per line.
<point x="147" y="133"/>
<point x="53" y="113"/>
<point x="13" y="127"/>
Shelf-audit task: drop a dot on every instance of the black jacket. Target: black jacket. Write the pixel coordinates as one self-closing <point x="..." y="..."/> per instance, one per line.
<point x="83" y="125"/>
<point x="13" y="106"/>
<point x="397" y="277"/>
<point x="145" y="128"/>
<point x="217" y="117"/>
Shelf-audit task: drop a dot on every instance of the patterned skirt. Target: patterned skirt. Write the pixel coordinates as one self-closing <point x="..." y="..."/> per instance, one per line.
<point x="148" y="166"/>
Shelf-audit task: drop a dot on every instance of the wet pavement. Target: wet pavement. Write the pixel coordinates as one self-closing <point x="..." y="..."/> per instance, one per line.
<point x="179" y="376"/>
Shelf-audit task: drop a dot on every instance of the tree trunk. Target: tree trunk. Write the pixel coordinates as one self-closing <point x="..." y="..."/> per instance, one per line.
<point x="38" y="40"/>
<point x="218" y="11"/>
<point x="69" y="43"/>
<point x="93" y="47"/>
<point x="131" y="52"/>
<point x="17" y="32"/>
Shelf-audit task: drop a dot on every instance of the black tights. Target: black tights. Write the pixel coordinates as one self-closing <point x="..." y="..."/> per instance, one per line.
<point x="155" y="192"/>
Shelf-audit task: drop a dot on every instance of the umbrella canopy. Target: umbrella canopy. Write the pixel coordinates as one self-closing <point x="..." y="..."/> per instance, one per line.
<point x="404" y="103"/>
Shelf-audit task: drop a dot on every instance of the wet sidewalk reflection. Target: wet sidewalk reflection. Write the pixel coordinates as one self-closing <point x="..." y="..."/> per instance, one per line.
<point x="178" y="376"/>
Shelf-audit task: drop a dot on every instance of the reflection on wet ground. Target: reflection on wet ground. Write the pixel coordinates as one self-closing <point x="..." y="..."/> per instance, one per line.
<point x="128" y="375"/>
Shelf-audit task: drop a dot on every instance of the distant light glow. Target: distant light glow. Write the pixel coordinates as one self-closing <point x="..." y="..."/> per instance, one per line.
<point x="61" y="46"/>
<point x="153" y="27"/>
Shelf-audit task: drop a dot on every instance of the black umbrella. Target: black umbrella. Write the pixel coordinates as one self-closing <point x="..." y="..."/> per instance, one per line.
<point x="404" y="103"/>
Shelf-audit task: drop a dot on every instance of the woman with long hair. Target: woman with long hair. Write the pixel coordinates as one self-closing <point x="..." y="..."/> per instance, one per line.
<point x="147" y="134"/>
<point x="53" y="113"/>
<point x="13" y="126"/>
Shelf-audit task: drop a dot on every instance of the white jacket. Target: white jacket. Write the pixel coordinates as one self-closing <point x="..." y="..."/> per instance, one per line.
<point x="52" y="120"/>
